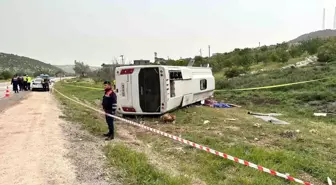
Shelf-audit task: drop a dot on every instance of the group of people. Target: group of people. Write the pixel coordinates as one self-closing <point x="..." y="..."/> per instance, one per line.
<point x="21" y="83"/>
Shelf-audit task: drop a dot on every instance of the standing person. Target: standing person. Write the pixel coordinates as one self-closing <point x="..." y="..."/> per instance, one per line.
<point x="15" y="84"/>
<point x="109" y="104"/>
<point x="25" y="79"/>
<point x="28" y="82"/>
<point x="20" y="82"/>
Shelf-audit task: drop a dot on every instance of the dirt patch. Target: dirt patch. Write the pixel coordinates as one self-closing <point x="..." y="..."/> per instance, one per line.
<point x="36" y="153"/>
<point x="38" y="147"/>
<point x="85" y="152"/>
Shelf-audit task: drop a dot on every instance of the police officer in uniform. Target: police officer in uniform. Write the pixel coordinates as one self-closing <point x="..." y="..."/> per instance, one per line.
<point x="25" y="82"/>
<point x="15" y="84"/>
<point x="109" y="104"/>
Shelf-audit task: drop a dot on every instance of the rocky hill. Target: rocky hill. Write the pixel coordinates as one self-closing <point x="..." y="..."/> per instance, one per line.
<point x="21" y="64"/>
<point x="315" y="34"/>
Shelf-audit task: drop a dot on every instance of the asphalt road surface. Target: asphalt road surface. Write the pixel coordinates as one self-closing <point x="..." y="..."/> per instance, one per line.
<point x="3" y="87"/>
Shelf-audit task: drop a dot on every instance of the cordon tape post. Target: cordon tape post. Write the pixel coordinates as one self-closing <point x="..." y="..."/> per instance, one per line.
<point x="195" y="145"/>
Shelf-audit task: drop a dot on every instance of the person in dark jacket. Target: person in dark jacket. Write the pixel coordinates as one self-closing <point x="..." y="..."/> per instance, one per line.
<point x="15" y="84"/>
<point x="20" y="82"/>
<point x="109" y="104"/>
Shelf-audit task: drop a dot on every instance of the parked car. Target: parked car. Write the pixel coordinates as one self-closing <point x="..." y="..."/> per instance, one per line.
<point x="41" y="83"/>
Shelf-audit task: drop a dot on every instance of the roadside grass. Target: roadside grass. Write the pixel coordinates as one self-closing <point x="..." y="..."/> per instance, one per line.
<point x="134" y="166"/>
<point x="310" y="156"/>
<point x="307" y="153"/>
<point x="137" y="167"/>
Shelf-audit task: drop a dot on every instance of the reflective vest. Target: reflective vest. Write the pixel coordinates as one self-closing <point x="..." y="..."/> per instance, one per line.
<point x="29" y="79"/>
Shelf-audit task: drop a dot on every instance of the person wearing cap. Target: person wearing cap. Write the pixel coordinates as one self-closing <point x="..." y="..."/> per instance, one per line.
<point x="109" y="104"/>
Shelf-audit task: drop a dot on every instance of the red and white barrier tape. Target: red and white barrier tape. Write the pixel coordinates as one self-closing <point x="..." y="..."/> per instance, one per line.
<point x="195" y="145"/>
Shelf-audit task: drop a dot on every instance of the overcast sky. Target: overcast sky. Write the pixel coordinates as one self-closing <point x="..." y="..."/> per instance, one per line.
<point x="97" y="31"/>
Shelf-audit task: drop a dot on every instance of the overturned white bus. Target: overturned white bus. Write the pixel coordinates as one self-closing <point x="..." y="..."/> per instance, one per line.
<point x="156" y="89"/>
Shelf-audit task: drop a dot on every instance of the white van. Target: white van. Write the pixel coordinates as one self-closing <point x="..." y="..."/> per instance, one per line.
<point x="156" y="89"/>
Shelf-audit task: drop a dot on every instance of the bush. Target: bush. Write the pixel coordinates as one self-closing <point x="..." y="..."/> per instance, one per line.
<point x="5" y="75"/>
<point x="234" y="72"/>
<point x="327" y="52"/>
<point x="222" y="84"/>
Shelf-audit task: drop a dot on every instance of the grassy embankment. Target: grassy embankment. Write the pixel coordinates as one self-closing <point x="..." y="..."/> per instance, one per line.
<point x="305" y="149"/>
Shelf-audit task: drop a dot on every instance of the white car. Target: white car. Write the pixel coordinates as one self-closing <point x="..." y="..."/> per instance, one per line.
<point x="36" y="84"/>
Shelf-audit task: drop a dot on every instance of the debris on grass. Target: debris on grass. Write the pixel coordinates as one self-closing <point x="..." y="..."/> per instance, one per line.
<point x="329" y="181"/>
<point x="221" y="105"/>
<point x="206" y="122"/>
<point x="320" y="114"/>
<point x="257" y="125"/>
<point x="168" y="118"/>
<point x="234" y="105"/>
<point x="231" y="119"/>
<point x="269" y="118"/>
<point x="313" y="131"/>
<point x="215" y="104"/>
<point x="288" y="134"/>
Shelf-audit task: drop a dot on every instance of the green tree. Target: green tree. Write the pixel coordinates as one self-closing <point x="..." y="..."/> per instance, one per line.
<point x="312" y="45"/>
<point x="327" y="52"/>
<point x="81" y="69"/>
<point x="283" y="56"/>
<point x="295" y="51"/>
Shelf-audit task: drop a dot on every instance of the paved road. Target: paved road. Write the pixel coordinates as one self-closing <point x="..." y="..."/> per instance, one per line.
<point x="3" y="87"/>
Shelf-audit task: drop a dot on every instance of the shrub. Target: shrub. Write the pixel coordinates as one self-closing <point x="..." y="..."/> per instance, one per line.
<point x="234" y="72"/>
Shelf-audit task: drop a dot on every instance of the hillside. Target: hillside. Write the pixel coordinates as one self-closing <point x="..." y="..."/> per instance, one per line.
<point x="21" y="64"/>
<point x="315" y="34"/>
<point x="69" y="68"/>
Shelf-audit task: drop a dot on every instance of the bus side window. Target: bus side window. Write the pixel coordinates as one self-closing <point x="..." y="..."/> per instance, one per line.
<point x="203" y="84"/>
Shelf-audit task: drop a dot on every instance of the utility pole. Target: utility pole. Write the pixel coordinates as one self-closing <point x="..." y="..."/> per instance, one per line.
<point x="155" y="57"/>
<point x="335" y="20"/>
<point x="122" y="59"/>
<point x="200" y="52"/>
<point x="323" y="21"/>
<point x="209" y="51"/>
<point x="111" y="69"/>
